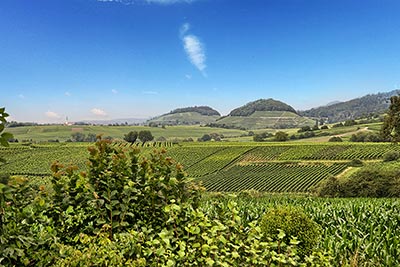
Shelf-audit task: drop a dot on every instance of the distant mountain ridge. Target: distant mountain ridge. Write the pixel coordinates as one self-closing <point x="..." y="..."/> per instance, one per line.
<point x="354" y="108"/>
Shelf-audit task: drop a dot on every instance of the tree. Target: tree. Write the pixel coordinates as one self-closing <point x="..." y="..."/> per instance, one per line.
<point x="131" y="137"/>
<point x="145" y="136"/>
<point x="205" y="138"/>
<point x="91" y="138"/>
<point x="391" y="124"/>
<point x="281" y="136"/>
<point x="4" y="137"/>
<point x="78" y="137"/>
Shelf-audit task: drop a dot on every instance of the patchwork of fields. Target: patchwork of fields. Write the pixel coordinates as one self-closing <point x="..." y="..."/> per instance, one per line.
<point x="223" y="167"/>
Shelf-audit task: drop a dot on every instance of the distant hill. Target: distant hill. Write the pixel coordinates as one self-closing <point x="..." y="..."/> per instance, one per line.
<point x="261" y="114"/>
<point x="356" y="108"/>
<point x="187" y="116"/>
<point x="261" y="105"/>
<point x="203" y="110"/>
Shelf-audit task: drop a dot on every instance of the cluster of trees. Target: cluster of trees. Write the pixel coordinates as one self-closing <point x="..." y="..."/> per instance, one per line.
<point x="81" y="137"/>
<point x="364" y="183"/>
<point x="278" y="136"/>
<point x="209" y="137"/>
<point x="203" y="110"/>
<point x="143" y="136"/>
<point x="261" y="105"/>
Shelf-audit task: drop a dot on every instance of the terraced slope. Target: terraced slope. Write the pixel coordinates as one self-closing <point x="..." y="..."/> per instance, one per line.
<point x="273" y="167"/>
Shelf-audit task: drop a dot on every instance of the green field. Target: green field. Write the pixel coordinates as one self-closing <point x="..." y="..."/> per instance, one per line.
<point x="358" y="232"/>
<point x="62" y="133"/>
<point x="221" y="166"/>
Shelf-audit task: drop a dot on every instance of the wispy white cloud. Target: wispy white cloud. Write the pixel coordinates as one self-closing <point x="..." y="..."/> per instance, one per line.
<point x="52" y="115"/>
<point x="21" y="96"/>
<point x="188" y="76"/>
<point x="114" y="91"/>
<point x="98" y="112"/>
<point x="67" y="93"/>
<point x="194" y="49"/>
<point x="150" y="93"/>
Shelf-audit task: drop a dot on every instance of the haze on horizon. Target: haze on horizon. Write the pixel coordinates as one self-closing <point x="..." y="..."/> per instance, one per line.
<point x="109" y="59"/>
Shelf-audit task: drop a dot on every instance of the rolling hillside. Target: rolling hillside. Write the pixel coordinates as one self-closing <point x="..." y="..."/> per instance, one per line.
<point x="187" y="116"/>
<point x="373" y="104"/>
<point x="263" y="113"/>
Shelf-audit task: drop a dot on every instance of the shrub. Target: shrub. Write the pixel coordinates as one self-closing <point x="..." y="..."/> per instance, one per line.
<point x="294" y="223"/>
<point x="391" y="156"/>
<point x="355" y="163"/>
<point x="329" y="187"/>
<point x="335" y="139"/>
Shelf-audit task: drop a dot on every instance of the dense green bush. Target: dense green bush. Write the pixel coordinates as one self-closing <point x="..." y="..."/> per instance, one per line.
<point x="391" y="156"/>
<point x="294" y="223"/>
<point x="335" y="139"/>
<point x="367" y="182"/>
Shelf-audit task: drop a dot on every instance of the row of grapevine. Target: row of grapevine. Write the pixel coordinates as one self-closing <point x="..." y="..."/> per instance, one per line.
<point x="216" y="161"/>
<point x="271" y="177"/>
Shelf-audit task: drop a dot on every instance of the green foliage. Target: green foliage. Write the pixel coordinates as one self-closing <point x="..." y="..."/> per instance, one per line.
<point x="204" y="138"/>
<point x="329" y="187"/>
<point x="294" y="223"/>
<point x="145" y="136"/>
<point x="391" y="124"/>
<point x="203" y="110"/>
<point x="261" y="105"/>
<point x="391" y="156"/>
<point x="367" y="182"/>
<point x="127" y="210"/>
<point x="366" y="137"/>
<point x="4" y="136"/>
<point x="355" y="163"/>
<point x="281" y="136"/>
<point x="131" y="136"/>
<point x="335" y="139"/>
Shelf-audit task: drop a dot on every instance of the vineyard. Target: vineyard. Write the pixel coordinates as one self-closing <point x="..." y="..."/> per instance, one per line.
<point x="229" y="167"/>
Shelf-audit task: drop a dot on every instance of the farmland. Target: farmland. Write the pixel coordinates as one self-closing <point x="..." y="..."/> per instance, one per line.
<point x="354" y="232"/>
<point x="358" y="232"/>
<point x="224" y="167"/>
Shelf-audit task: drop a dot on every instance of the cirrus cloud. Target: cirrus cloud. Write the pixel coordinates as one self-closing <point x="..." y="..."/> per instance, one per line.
<point x="194" y="48"/>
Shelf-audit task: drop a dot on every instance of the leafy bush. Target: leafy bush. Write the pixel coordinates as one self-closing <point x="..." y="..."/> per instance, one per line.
<point x="367" y="182"/>
<point x="294" y="223"/>
<point x="391" y="156"/>
<point x="329" y="187"/>
<point x="355" y="163"/>
<point x="335" y="139"/>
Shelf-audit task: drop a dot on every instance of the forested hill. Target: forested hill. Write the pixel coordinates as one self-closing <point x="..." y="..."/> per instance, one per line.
<point x="203" y="110"/>
<point x="353" y="109"/>
<point x="261" y="105"/>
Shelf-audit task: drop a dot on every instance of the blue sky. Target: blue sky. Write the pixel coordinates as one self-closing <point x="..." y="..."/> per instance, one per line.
<point x="92" y="59"/>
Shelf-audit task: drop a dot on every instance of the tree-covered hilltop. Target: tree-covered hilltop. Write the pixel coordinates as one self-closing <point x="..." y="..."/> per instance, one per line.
<point x="261" y="105"/>
<point x="365" y="106"/>
<point x="203" y="110"/>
